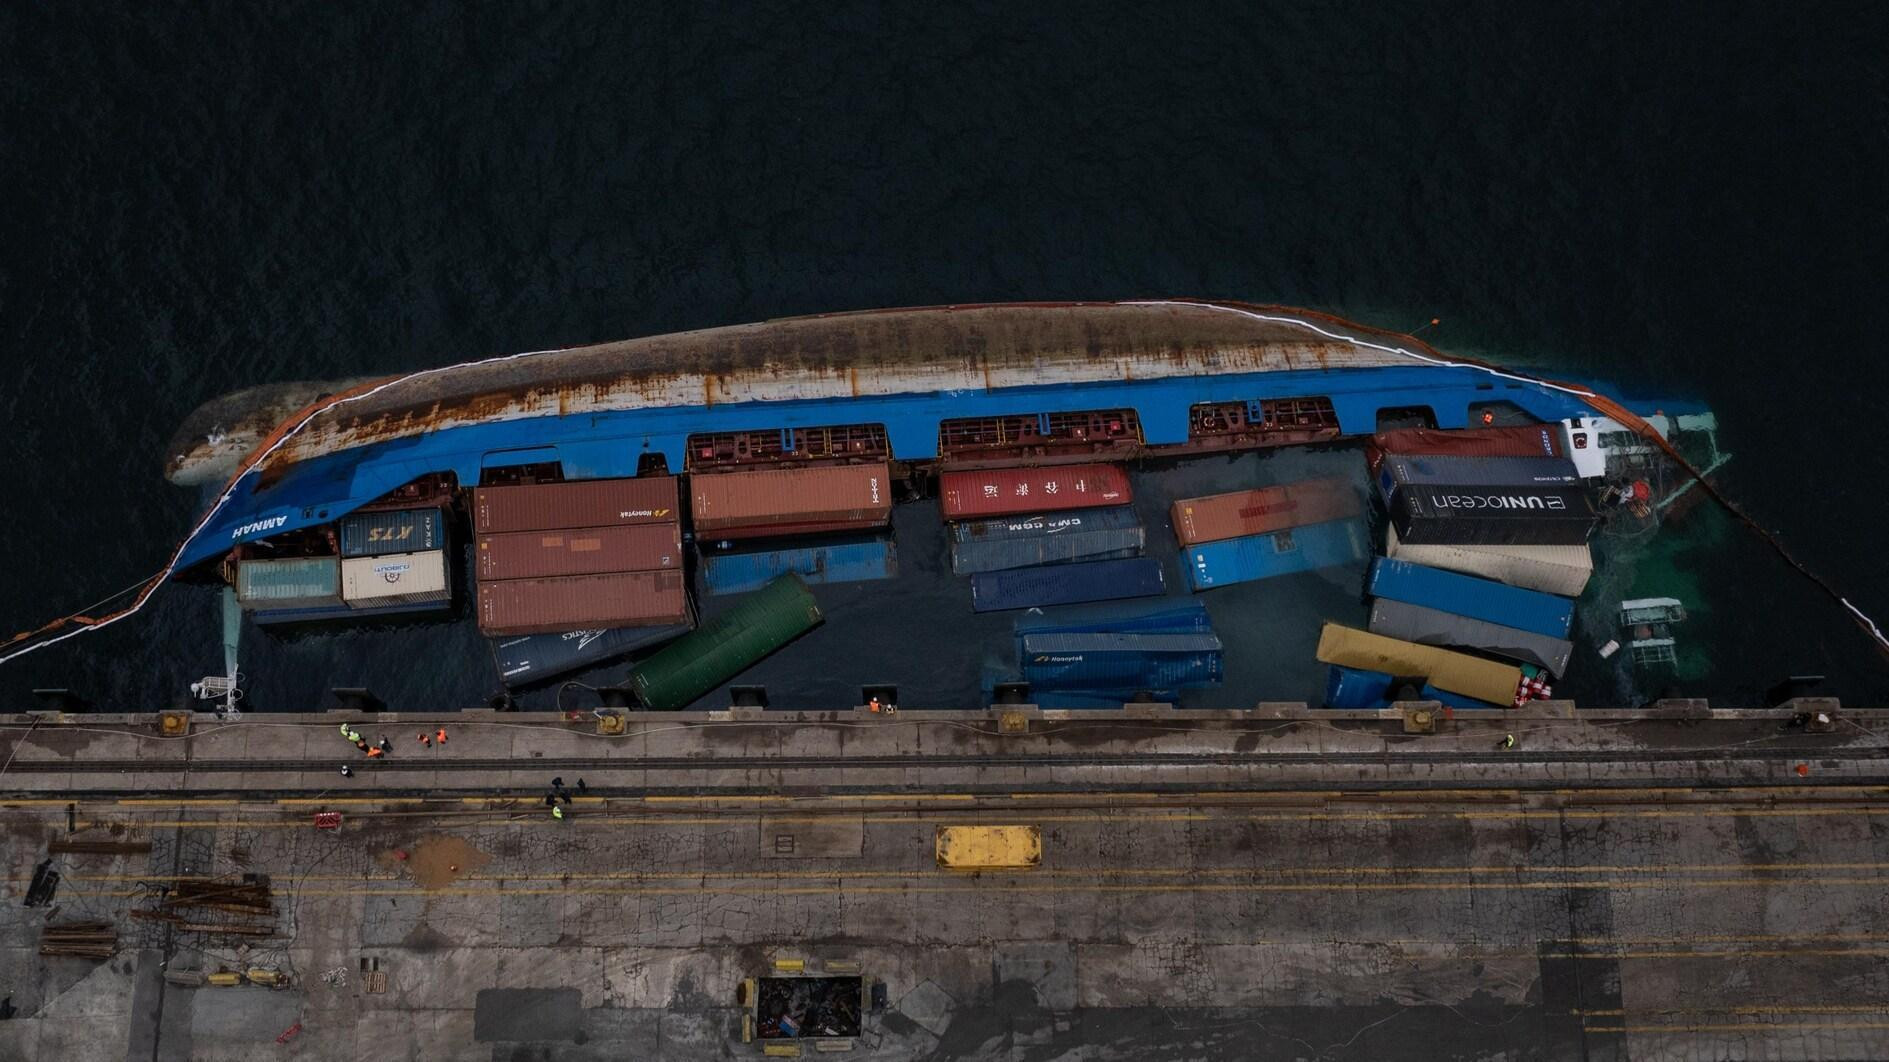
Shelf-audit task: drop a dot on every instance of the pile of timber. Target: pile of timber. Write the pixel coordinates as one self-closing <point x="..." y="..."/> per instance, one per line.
<point x="87" y="940"/>
<point x="188" y="904"/>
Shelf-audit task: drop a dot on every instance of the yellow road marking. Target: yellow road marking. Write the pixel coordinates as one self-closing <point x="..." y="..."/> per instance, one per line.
<point x="1778" y="1009"/>
<point x="1739" y="1027"/>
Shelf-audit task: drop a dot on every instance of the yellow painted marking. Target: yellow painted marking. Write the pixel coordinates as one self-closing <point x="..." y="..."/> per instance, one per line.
<point x="172" y="801"/>
<point x="1778" y="1009"/>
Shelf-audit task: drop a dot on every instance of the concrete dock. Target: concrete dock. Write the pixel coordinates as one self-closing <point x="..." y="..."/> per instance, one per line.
<point x="1680" y="884"/>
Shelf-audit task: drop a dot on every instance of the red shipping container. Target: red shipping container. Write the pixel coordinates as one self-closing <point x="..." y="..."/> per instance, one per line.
<point x="1528" y="440"/>
<point x="1008" y="491"/>
<point x="791" y="500"/>
<point x="577" y="503"/>
<point x="1258" y="512"/>
<point x="586" y="551"/>
<point x="582" y="602"/>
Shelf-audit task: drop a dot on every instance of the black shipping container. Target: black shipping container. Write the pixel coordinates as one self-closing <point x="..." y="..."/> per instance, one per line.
<point x="1067" y="584"/>
<point x="528" y="658"/>
<point x="376" y="534"/>
<point x="1493" y="516"/>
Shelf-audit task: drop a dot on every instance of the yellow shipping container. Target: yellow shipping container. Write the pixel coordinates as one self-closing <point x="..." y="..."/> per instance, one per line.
<point x="1470" y="676"/>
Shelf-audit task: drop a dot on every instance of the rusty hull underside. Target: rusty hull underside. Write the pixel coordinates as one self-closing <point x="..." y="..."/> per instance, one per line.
<point x="878" y="352"/>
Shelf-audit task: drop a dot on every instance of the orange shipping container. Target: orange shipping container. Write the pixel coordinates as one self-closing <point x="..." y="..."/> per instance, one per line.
<point x="577" y="503"/>
<point x="583" y="602"/>
<point x="1259" y="512"/>
<point x="792" y="500"/>
<point x="586" y="551"/>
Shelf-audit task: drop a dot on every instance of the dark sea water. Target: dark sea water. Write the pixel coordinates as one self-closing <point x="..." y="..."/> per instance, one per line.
<point x="200" y="200"/>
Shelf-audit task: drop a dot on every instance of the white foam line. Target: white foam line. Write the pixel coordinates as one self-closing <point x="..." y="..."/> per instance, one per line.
<point x="170" y="567"/>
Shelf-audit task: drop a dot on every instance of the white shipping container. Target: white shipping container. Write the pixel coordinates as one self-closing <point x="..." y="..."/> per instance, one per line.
<point x="1560" y="570"/>
<point x="395" y="579"/>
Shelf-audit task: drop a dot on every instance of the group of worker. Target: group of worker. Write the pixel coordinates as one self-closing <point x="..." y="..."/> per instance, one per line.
<point x="559" y="796"/>
<point x="383" y="746"/>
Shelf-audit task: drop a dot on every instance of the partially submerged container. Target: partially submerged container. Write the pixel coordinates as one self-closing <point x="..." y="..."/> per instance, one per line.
<point x="527" y="658"/>
<point x="1243" y="513"/>
<point x="1489" y="516"/>
<point x="288" y="583"/>
<point x="1045" y="538"/>
<point x="1562" y="570"/>
<point x="1430" y="626"/>
<point x="1528" y="440"/>
<point x="396" y="579"/>
<point x="1067" y="584"/>
<point x="1121" y="661"/>
<point x="845" y="562"/>
<point x="1471" y="676"/>
<point x="1301" y="549"/>
<point x="726" y="645"/>
<point x="574" y="503"/>
<point x="1466" y="595"/>
<point x="373" y="534"/>
<point x="574" y="602"/>
<point x="582" y="551"/>
<point x="986" y="492"/>
<point x="1356" y="688"/>
<point x="788" y="501"/>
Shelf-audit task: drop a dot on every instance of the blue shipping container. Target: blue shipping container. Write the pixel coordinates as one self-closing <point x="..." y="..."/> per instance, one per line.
<point x="376" y="534"/>
<point x="1466" y="595"/>
<point x="848" y="562"/>
<point x="1300" y="549"/>
<point x="1067" y="584"/>
<point x="1176" y="615"/>
<point x="1121" y="661"/>
<point x="1024" y="541"/>
<point x="1088" y="700"/>
<point x="1047" y="525"/>
<point x="1350" y="687"/>
<point x="535" y="657"/>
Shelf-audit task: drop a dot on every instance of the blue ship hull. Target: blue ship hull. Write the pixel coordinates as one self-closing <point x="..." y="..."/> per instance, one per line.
<point x="323" y="489"/>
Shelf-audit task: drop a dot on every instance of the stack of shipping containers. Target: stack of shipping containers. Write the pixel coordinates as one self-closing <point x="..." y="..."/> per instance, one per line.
<point x="1257" y="534"/>
<point x="387" y="562"/>
<point x="1047" y="535"/>
<point x="732" y="508"/>
<point x="572" y="573"/>
<point x="1487" y="547"/>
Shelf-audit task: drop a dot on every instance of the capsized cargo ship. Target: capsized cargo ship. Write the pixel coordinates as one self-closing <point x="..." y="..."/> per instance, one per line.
<point x="822" y="425"/>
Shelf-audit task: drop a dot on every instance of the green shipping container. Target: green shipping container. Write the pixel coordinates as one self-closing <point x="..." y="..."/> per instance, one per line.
<point x="727" y="645"/>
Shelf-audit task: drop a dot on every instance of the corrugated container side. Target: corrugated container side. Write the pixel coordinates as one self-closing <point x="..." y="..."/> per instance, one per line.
<point x="1531" y="440"/>
<point x="1471" y="676"/>
<point x="1487" y="516"/>
<point x="1429" y="626"/>
<point x="727" y="645"/>
<point x="1397" y="472"/>
<point x="1242" y="513"/>
<point x="574" y="602"/>
<point x="1354" y="688"/>
<point x="575" y="503"/>
<point x="582" y="551"/>
<point x="849" y="562"/>
<point x="1301" y="549"/>
<point x="774" y="500"/>
<point x="1466" y="595"/>
<point x="1176" y="615"/>
<point x="1067" y="584"/>
<point x="995" y="555"/>
<point x="1562" y="570"/>
<point x="1002" y="491"/>
<point x="1040" y="525"/>
<point x="1121" y="661"/>
<point x="373" y="534"/>
<point x="529" y="658"/>
<point x="396" y="579"/>
<point x="289" y="582"/>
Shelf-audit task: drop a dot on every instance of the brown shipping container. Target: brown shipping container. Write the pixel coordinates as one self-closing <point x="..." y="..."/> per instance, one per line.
<point x="577" y="503"/>
<point x="586" y="551"/>
<point x="1530" y="440"/>
<point x="1259" y="512"/>
<point x="791" y="500"/>
<point x="985" y="492"/>
<point x="581" y="602"/>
